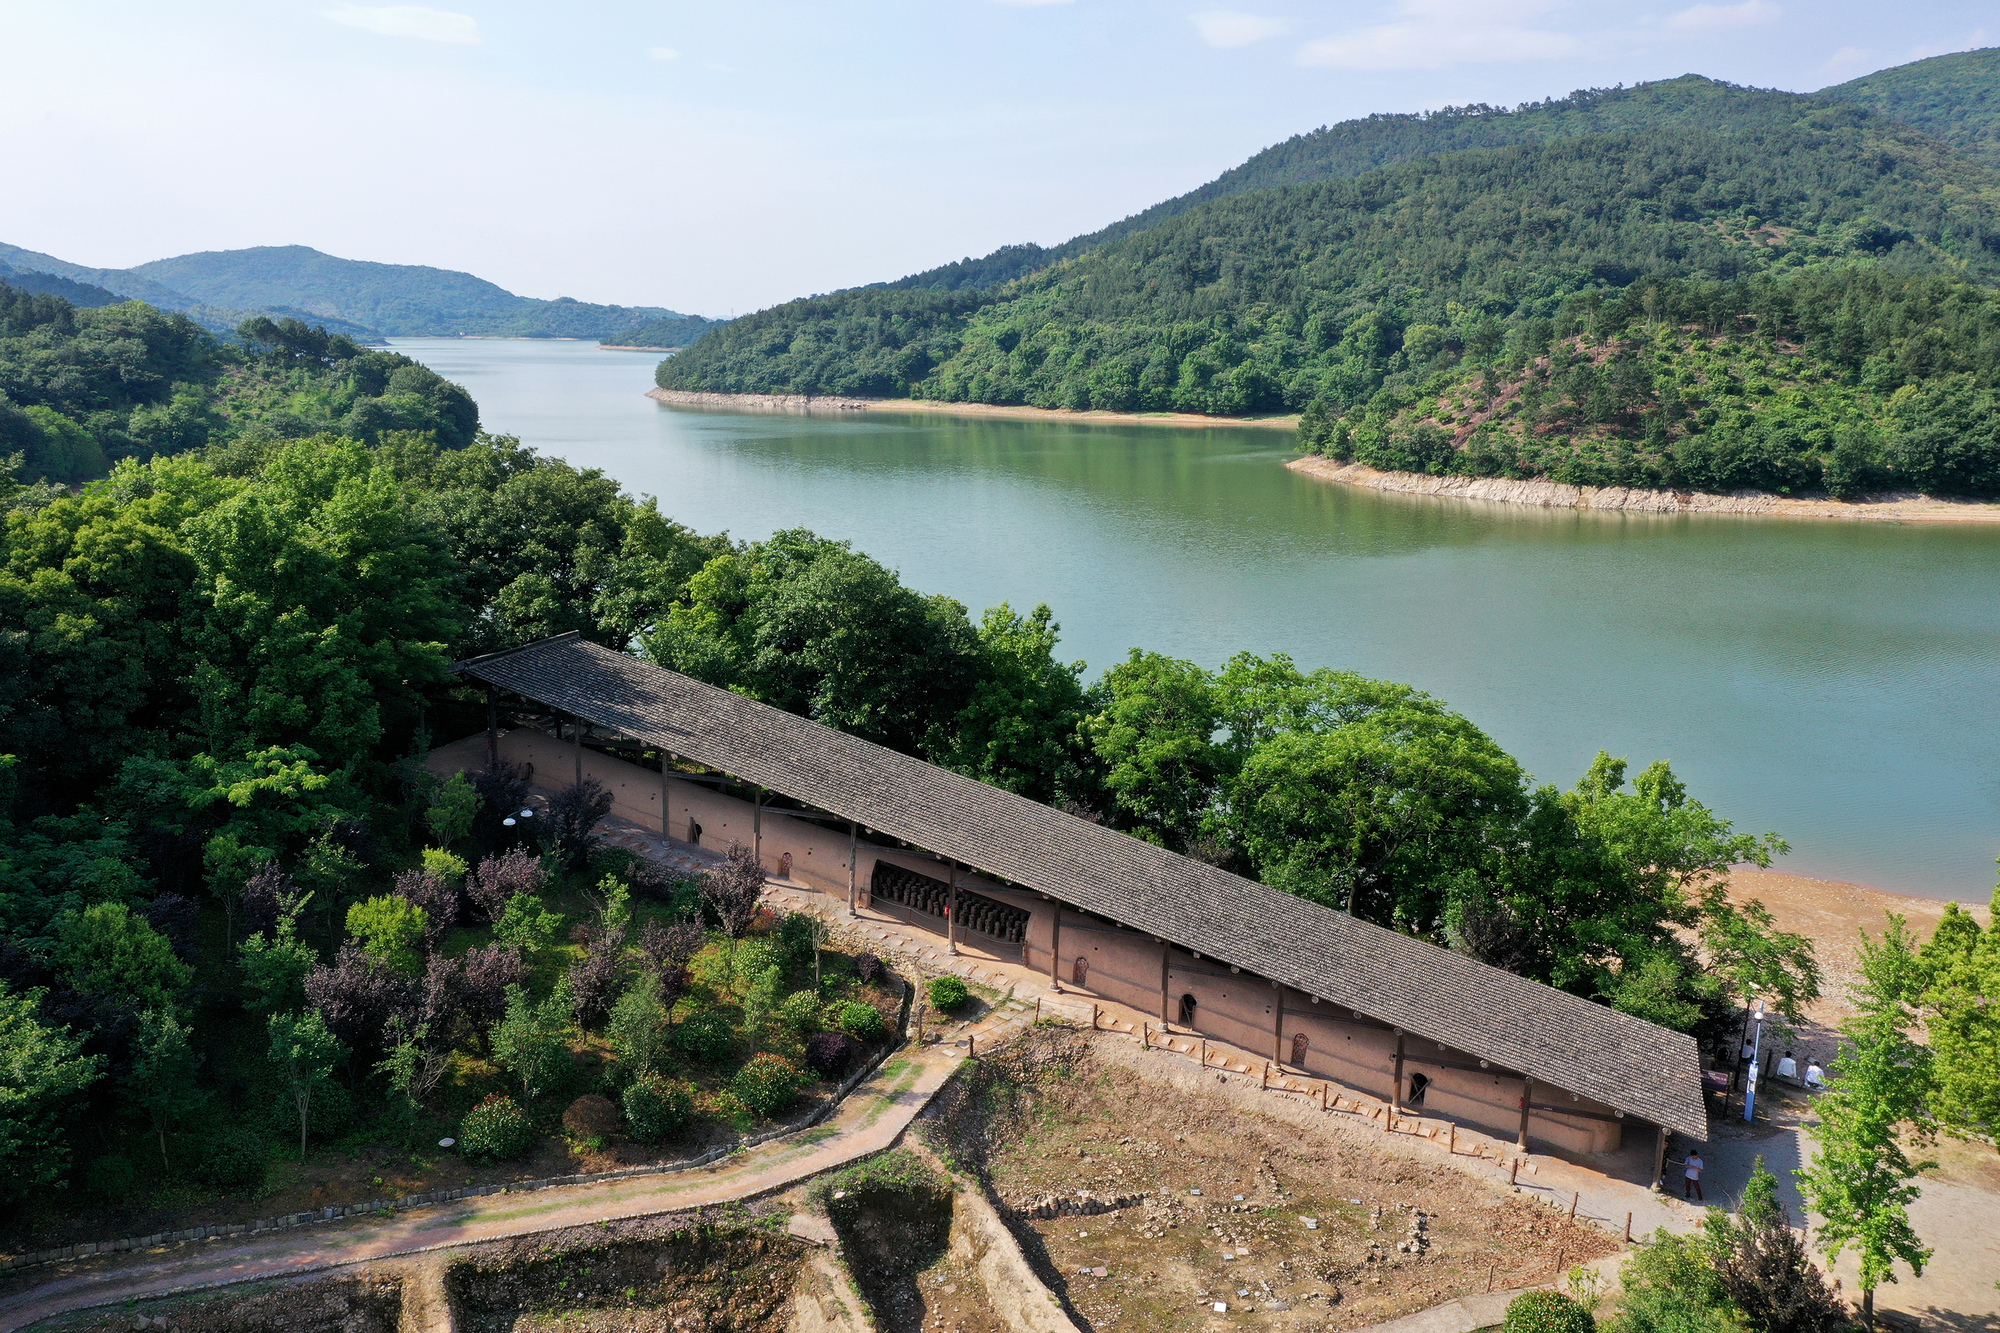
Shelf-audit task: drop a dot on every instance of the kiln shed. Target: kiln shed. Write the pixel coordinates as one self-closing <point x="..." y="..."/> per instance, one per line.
<point x="1100" y="913"/>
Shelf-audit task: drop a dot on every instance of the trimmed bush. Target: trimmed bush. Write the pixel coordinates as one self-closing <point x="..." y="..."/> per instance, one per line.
<point x="861" y="1021"/>
<point x="658" y="1108"/>
<point x="830" y="1054"/>
<point x="947" y="993"/>
<point x="868" y="967"/>
<point x="496" y="1128"/>
<point x="799" y="1011"/>
<point x="233" y="1160"/>
<point x="1547" y="1312"/>
<point x="704" y="1036"/>
<point x="768" y="1084"/>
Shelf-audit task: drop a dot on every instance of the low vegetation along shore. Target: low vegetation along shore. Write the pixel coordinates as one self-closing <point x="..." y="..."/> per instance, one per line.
<point x="816" y="402"/>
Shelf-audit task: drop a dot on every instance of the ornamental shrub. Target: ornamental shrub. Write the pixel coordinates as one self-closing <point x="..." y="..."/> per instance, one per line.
<point x="767" y="1084"/>
<point x="830" y="1054"/>
<point x="947" y="993"/>
<point x="658" y="1108"/>
<point x="799" y="1011"/>
<point x="868" y="967"/>
<point x="1547" y="1312"/>
<point x="861" y="1021"/>
<point x="496" y="1128"/>
<point x="704" y="1036"/>
<point x="232" y="1160"/>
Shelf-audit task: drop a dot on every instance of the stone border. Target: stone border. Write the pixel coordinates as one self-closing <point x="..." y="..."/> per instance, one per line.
<point x="432" y="1198"/>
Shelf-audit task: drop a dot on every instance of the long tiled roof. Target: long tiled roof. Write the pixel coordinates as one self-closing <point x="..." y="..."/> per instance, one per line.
<point x="1581" y="1047"/>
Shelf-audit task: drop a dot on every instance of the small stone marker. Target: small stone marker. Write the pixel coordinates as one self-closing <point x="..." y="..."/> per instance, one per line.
<point x="1194" y="1191"/>
<point x="447" y="1143"/>
<point x="1101" y="1272"/>
<point x="1312" y="1223"/>
<point x="1222" y="1307"/>
<point x="1227" y="1257"/>
<point x="1239" y="1198"/>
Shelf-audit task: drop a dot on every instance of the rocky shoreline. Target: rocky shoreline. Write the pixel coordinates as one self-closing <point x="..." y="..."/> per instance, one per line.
<point x="1903" y="507"/>
<point x="799" y="402"/>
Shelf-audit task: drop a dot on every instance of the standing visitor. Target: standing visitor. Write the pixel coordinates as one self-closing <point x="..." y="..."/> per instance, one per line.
<point x="1691" y="1184"/>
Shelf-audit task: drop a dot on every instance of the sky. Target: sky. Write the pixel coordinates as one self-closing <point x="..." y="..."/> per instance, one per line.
<point x="720" y="157"/>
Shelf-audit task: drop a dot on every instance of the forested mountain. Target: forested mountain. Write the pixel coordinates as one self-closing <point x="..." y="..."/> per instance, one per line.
<point x="49" y="284"/>
<point x="1955" y="97"/>
<point x="361" y="300"/>
<point x="1406" y="279"/>
<point x="672" y="331"/>
<point x="81" y="389"/>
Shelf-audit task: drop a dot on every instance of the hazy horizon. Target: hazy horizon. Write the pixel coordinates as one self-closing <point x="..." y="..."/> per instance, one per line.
<point x="717" y="162"/>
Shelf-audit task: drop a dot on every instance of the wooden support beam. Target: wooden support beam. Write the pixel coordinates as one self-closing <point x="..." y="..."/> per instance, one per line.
<point x="1660" y="1160"/>
<point x="492" y="729"/>
<point x="577" y="748"/>
<point x="853" y="847"/>
<point x="951" y="912"/>
<point x="1055" y="952"/>
<point x="1166" y="1015"/>
<point x="1527" y="1095"/>
<point x="1396" y="1092"/>
<point x="1278" y="1026"/>
<point x="757" y="828"/>
<point x="666" y="816"/>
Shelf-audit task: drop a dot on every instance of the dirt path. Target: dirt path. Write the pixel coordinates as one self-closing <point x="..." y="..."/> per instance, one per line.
<point x="868" y="1121"/>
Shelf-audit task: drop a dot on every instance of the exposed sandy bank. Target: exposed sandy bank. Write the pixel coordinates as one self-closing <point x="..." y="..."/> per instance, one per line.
<point x="798" y="402"/>
<point x="1556" y="495"/>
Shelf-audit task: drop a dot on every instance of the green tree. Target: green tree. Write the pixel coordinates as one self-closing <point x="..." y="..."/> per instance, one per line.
<point x="391" y="928"/>
<point x="1962" y="1010"/>
<point x="1153" y="740"/>
<point x="532" y="1041"/>
<point x="106" y="950"/>
<point x="453" y="811"/>
<point x="1763" y="1265"/>
<point x="306" y="1055"/>
<point x="1019" y="729"/>
<point x="275" y="965"/>
<point x="42" y="1072"/>
<point x="161" y="1080"/>
<point x="524" y="924"/>
<point x="638" y="1028"/>
<point x="1859" y="1181"/>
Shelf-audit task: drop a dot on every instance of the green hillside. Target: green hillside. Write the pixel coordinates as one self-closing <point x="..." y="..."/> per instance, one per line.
<point x="409" y="300"/>
<point x="48" y="284"/>
<point x="1356" y="146"/>
<point x="1955" y="97"/>
<point x="81" y="389"/>
<point x="673" y="331"/>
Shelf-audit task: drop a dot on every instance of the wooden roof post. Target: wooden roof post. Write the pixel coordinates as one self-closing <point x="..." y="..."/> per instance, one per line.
<point x="1659" y="1164"/>
<point x="578" y="748"/>
<point x="757" y="828"/>
<point x="951" y="913"/>
<point x="666" y="818"/>
<point x="1527" y="1095"/>
<point x="1396" y="1092"/>
<point x="853" y="846"/>
<point x="1055" y="951"/>
<point x="1278" y="1026"/>
<point x="492" y="729"/>
<point x="1166" y="1018"/>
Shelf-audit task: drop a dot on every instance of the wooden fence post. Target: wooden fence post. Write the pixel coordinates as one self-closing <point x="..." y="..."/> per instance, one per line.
<point x="1093" y="1018"/>
<point x="1451" y="1148"/>
<point x="1574" y="1199"/>
<point x="1325" y="1089"/>
<point x="1628" y="1228"/>
<point x="1267" y="1076"/>
<point x="1514" y="1173"/>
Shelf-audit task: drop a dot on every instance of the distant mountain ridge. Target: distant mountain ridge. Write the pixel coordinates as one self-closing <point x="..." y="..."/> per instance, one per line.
<point x="357" y="298"/>
<point x="1954" y="97"/>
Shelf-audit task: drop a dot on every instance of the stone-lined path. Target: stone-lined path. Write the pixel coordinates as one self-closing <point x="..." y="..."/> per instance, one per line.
<point x="870" y="1120"/>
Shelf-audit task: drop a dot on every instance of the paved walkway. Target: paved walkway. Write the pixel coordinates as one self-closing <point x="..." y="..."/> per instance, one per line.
<point x="871" y="1119"/>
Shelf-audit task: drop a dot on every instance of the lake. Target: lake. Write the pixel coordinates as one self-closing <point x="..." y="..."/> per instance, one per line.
<point x="1834" y="682"/>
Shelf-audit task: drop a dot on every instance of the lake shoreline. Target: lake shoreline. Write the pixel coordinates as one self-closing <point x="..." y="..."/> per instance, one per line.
<point x="800" y="402"/>
<point x="1899" y="508"/>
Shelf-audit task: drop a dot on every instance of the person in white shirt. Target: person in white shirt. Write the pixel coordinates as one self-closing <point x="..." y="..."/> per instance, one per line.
<point x="1691" y="1183"/>
<point x="1815" y="1076"/>
<point x="1788" y="1069"/>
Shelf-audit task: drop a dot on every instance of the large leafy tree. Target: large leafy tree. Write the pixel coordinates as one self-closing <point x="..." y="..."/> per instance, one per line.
<point x="161" y="1080"/>
<point x="41" y="1074"/>
<point x="1962" y="1015"/>
<point x="1860" y="1182"/>
<point x="814" y="627"/>
<point x="1019" y="728"/>
<point x="1153" y="741"/>
<point x="305" y="1055"/>
<point x="105" y="950"/>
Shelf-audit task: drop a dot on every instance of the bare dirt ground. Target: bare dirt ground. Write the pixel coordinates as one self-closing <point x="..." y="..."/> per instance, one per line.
<point x="1288" y="1229"/>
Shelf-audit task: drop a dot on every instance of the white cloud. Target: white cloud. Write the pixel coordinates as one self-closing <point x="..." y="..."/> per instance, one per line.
<point x="1707" y="18"/>
<point x="430" y="25"/>
<point x="1845" y="61"/>
<point x="1434" y="34"/>
<point x="663" y="53"/>
<point x="1228" y="28"/>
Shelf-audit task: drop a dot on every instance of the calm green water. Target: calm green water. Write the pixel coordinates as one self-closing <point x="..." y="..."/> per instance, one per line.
<point x="1834" y="682"/>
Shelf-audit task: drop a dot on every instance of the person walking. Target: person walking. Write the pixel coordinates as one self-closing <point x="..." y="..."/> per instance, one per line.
<point x="1691" y="1181"/>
